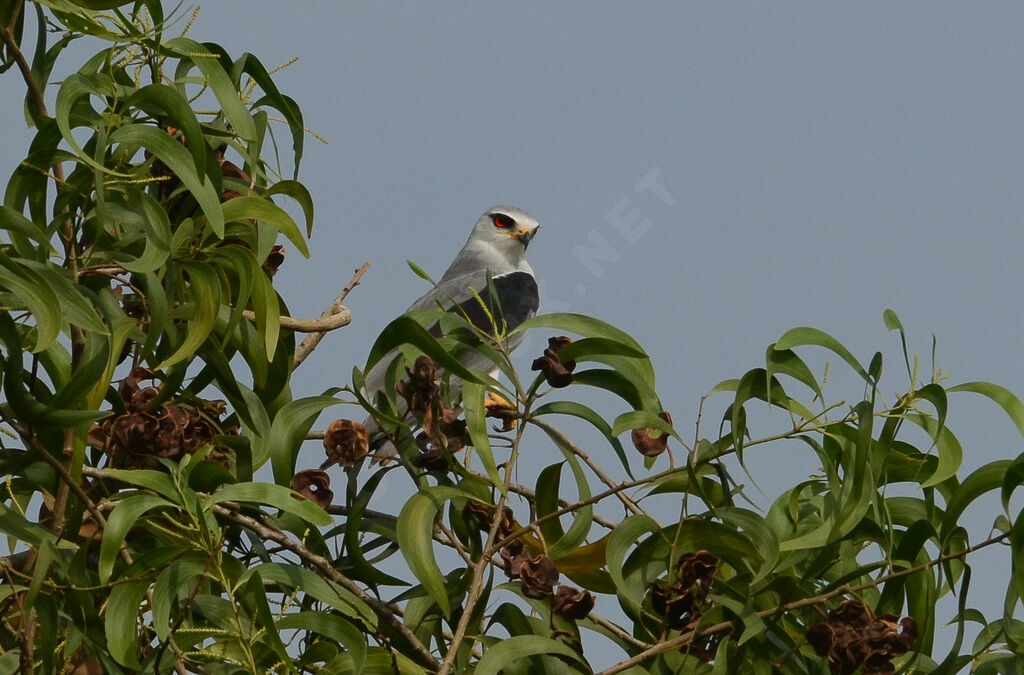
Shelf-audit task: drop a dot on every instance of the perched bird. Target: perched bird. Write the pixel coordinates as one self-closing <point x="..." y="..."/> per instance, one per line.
<point x="496" y="247"/>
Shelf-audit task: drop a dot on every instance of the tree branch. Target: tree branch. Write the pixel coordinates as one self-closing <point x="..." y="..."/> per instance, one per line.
<point x="336" y="309"/>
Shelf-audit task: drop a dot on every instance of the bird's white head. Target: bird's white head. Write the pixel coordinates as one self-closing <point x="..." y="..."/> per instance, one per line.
<point x="507" y="228"/>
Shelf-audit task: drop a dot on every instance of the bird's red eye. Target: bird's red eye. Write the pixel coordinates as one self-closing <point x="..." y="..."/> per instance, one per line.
<point x="502" y="221"/>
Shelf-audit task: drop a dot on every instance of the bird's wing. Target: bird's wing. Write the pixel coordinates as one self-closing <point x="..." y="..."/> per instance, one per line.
<point x="517" y="295"/>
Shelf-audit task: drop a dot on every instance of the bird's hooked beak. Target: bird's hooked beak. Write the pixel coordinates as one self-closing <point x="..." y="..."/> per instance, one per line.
<point x="526" y="236"/>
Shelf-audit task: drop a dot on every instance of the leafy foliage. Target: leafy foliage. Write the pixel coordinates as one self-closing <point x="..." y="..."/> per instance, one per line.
<point x="146" y="360"/>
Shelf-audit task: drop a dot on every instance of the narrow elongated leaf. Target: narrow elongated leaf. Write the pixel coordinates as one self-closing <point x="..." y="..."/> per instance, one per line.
<point x="166" y="104"/>
<point x="405" y="330"/>
<point x="181" y="578"/>
<point x="981" y="480"/>
<point x="1000" y="395"/>
<point x="415" y="540"/>
<point x="798" y="337"/>
<point x="590" y="327"/>
<point x="332" y="627"/>
<point x="120" y="621"/>
<point x="16" y="525"/>
<point x="277" y="496"/>
<point x="476" y="425"/>
<point x="205" y="292"/>
<point x="298" y="192"/>
<point x="218" y="80"/>
<point x="582" y="350"/>
<point x="29" y="290"/>
<point x="14" y="221"/>
<point x="75" y="87"/>
<point x="950" y="453"/>
<point x="590" y="415"/>
<point x="523" y="647"/>
<point x="124" y="516"/>
<point x="584" y="516"/>
<point x="623" y="538"/>
<point x="74" y="304"/>
<point x="254" y="600"/>
<point x="157" y="481"/>
<point x="149" y="220"/>
<point x="786" y="362"/>
<point x="24" y="405"/>
<point x="265" y="211"/>
<point x="290" y="426"/>
<point x="174" y="155"/>
<point x="320" y="589"/>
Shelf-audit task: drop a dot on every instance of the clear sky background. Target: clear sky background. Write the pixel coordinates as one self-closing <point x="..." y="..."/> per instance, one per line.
<point x="817" y="164"/>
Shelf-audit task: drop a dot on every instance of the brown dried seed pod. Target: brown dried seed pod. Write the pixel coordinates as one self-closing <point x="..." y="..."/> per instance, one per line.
<point x="346" y="442"/>
<point x="314" y="485"/>
<point x="556" y="372"/>
<point x="572" y="603"/>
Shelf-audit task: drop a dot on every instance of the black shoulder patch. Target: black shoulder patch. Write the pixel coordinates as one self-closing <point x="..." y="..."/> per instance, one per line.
<point x="517" y="298"/>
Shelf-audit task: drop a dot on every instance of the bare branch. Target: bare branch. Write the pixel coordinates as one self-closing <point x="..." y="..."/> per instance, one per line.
<point x="317" y="334"/>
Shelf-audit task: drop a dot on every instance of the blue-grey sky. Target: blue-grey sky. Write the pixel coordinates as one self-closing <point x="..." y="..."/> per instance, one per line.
<point x="706" y="175"/>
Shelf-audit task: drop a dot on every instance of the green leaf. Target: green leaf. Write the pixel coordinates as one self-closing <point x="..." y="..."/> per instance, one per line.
<point x="22" y="403"/>
<point x="205" y="291"/>
<point x="298" y="192"/>
<point x="181" y="578"/>
<point x="623" y="538"/>
<point x="761" y="536"/>
<point x="169" y="106"/>
<point x="277" y="496"/>
<point x="291" y="112"/>
<point x="981" y="480"/>
<point x="289" y="428"/>
<point x="584" y="516"/>
<point x="476" y="425"/>
<point x="320" y="589"/>
<point x="75" y="87"/>
<point x="587" y="326"/>
<point x="254" y="599"/>
<point x="332" y="627"/>
<point x="157" y="481"/>
<point x="124" y="516"/>
<point x="786" y="362"/>
<point x="611" y="381"/>
<point x="520" y="647"/>
<point x="148" y="219"/>
<point x="418" y="271"/>
<point x="582" y="350"/>
<point x="643" y="419"/>
<point x="29" y="289"/>
<point x="120" y="621"/>
<point x="798" y="337"/>
<point x="242" y="209"/>
<point x="73" y="303"/>
<point x="14" y="221"/>
<point x="596" y="420"/>
<point x="950" y="454"/>
<point x="415" y="540"/>
<point x="406" y="331"/>
<point x="1000" y="395"/>
<point x="174" y="155"/>
<point x="219" y="82"/>
<point x="16" y="525"/>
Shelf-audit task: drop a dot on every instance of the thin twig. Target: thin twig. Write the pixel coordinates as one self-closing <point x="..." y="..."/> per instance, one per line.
<point x="307" y="346"/>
